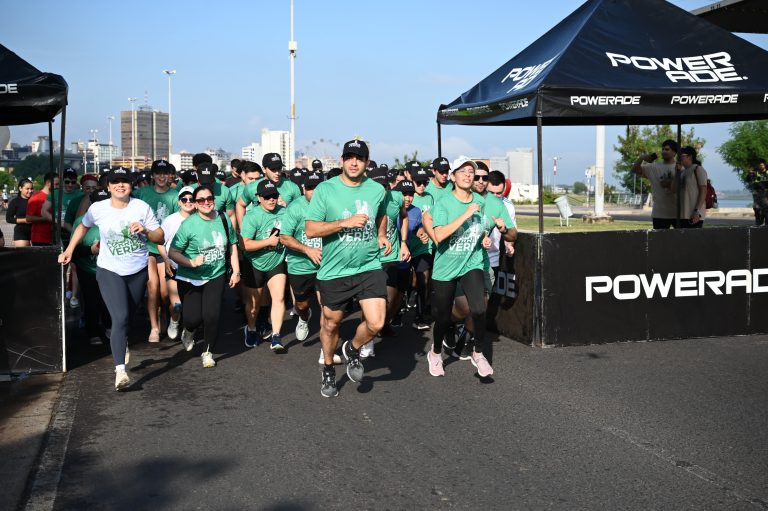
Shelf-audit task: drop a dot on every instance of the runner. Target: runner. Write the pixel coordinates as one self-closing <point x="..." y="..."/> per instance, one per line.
<point x="272" y="164"/>
<point x="124" y="224"/>
<point x="421" y="248"/>
<point x="17" y="213"/>
<point x="206" y="176"/>
<point x="163" y="202"/>
<point x="439" y="184"/>
<point x="205" y="248"/>
<point x="348" y="213"/>
<point x="170" y="225"/>
<point x="71" y="192"/>
<point x="249" y="173"/>
<point x="261" y="239"/>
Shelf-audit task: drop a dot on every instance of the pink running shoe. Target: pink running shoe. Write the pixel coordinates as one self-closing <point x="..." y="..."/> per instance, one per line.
<point x="481" y="363"/>
<point x="435" y="362"/>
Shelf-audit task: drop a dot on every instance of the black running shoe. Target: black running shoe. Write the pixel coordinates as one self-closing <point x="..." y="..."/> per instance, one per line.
<point x="328" y="388"/>
<point x="355" y="369"/>
<point x="466" y="351"/>
<point x="420" y="324"/>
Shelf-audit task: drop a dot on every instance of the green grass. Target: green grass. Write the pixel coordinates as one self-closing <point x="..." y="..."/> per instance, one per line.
<point x="531" y="223"/>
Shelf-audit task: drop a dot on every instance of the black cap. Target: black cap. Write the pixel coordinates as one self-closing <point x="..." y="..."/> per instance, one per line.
<point x="99" y="195"/>
<point x="334" y="172"/>
<point x="296" y="176"/>
<point x="267" y="188"/>
<point x="70" y="173"/>
<point x="206" y="173"/>
<point x="482" y="165"/>
<point x="221" y="175"/>
<point x="391" y="174"/>
<point x="317" y="165"/>
<point x="406" y="187"/>
<point x="272" y="161"/>
<point x="420" y="174"/>
<point x="380" y="176"/>
<point x="371" y="165"/>
<point x="412" y="166"/>
<point x="143" y="176"/>
<point x="189" y="176"/>
<point x="441" y="165"/>
<point x="120" y="174"/>
<point x="312" y="179"/>
<point x="356" y="147"/>
<point x="162" y="166"/>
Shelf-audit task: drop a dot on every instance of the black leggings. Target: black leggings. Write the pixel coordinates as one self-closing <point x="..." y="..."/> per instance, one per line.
<point x="202" y="305"/>
<point x="121" y="293"/>
<point x="443" y="293"/>
<point x="421" y="293"/>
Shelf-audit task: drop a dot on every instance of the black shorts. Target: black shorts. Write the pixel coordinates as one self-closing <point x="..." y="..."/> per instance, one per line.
<point x="336" y="293"/>
<point x="260" y="278"/>
<point x="397" y="278"/>
<point x="158" y="258"/>
<point x="303" y="286"/>
<point x="422" y="263"/>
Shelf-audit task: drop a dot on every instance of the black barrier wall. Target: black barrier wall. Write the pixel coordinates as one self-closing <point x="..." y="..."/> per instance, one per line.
<point x="639" y="285"/>
<point x="30" y="310"/>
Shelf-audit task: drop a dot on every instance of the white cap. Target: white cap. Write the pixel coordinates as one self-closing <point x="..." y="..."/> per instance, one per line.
<point x="186" y="189"/>
<point x="461" y="161"/>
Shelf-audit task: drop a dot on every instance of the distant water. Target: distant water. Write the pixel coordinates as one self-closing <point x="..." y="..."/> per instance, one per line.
<point x="734" y="203"/>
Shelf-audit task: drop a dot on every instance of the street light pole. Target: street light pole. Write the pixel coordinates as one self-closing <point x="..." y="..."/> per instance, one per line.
<point x="292" y="47"/>
<point x="133" y="134"/>
<point x="554" y="171"/>
<point x="111" y="151"/>
<point x="169" y="72"/>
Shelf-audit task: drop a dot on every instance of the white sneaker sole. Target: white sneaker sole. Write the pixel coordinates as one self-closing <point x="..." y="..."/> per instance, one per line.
<point x="478" y="369"/>
<point x="122" y="384"/>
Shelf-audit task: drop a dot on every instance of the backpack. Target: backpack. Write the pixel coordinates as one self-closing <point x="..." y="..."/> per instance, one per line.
<point x="710" y="200"/>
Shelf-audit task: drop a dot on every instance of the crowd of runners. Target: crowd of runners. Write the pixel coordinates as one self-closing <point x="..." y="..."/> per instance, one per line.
<point x="362" y="236"/>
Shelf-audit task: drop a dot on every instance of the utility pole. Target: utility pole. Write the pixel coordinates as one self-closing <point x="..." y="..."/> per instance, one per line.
<point x="292" y="47"/>
<point x="111" y="150"/>
<point x="169" y="72"/>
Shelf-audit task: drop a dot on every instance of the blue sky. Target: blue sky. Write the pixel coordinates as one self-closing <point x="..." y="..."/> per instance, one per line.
<point x="384" y="65"/>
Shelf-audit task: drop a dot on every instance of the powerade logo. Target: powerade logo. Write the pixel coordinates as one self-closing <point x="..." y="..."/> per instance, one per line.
<point x="522" y="76"/>
<point x="9" y="88"/>
<point x="710" y="68"/>
<point x="605" y="100"/>
<point x="677" y="285"/>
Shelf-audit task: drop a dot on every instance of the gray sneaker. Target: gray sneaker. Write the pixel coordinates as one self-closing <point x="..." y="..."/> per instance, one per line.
<point x="328" y="387"/>
<point x="302" y="327"/>
<point x="188" y="339"/>
<point x="121" y="379"/>
<point x="355" y="369"/>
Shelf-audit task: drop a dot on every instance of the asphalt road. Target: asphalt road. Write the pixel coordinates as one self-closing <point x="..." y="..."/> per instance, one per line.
<point x="667" y="425"/>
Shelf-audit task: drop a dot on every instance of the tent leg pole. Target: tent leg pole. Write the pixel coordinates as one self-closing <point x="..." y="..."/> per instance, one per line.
<point x="63" y="274"/>
<point x="680" y="183"/>
<point x="439" y="141"/>
<point x="539" y="158"/>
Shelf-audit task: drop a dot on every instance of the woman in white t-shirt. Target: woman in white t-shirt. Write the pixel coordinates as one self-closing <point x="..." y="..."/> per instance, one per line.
<point x="170" y="225"/>
<point x="125" y="224"/>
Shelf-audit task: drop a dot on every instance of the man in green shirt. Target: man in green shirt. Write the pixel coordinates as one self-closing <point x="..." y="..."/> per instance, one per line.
<point x="272" y="164"/>
<point x="164" y="202"/>
<point x="249" y="172"/>
<point x="348" y="213"/>
<point x="439" y="184"/>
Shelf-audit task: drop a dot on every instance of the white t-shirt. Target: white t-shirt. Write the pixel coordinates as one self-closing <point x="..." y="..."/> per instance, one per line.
<point x="120" y="251"/>
<point x="494" y="251"/>
<point x="170" y="225"/>
<point x="691" y="190"/>
<point x="664" y="201"/>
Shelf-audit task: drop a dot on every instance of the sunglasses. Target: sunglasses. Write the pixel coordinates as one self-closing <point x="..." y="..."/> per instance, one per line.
<point x="420" y="183"/>
<point x="441" y="171"/>
<point x="481" y="178"/>
<point x="186" y="200"/>
<point x="269" y="197"/>
<point x="205" y="200"/>
<point x="70" y="182"/>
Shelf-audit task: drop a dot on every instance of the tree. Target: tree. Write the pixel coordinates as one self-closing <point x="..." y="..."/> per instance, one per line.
<point x="647" y="139"/>
<point x="32" y="166"/>
<point x="400" y="164"/>
<point x="579" y="188"/>
<point x="7" y="181"/>
<point x="748" y="143"/>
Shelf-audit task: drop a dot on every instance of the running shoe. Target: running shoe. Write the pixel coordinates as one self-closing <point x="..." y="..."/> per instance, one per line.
<point x="208" y="361"/>
<point x="435" y="362"/>
<point x="265" y="330"/>
<point x="173" y="330"/>
<point x="277" y="344"/>
<point x="328" y="388"/>
<point x="466" y="350"/>
<point x="187" y="339"/>
<point x="481" y="363"/>
<point x="74" y="302"/>
<point x="293" y="312"/>
<point x="355" y="369"/>
<point x="366" y="350"/>
<point x="387" y="331"/>
<point x="420" y="324"/>
<point x="251" y="337"/>
<point x="302" y="327"/>
<point x="397" y="320"/>
<point x="336" y="358"/>
<point x="95" y="340"/>
<point x="121" y="379"/>
<point x="450" y="342"/>
<point x="154" y="335"/>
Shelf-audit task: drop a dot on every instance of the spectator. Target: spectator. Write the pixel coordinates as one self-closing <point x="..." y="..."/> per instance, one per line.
<point x="757" y="183"/>
<point x="42" y="229"/>
<point x="660" y="174"/>
<point x="17" y="212"/>
<point x="693" y="183"/>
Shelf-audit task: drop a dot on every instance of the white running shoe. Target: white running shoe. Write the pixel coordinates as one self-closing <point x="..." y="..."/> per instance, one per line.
<point x="366" y="350"/>
<point x="187" y="339"/>
<point x="208" y="361"/>
<point x="121" y="379"/>
<point x="173" y="330"/>
<point x="336" y="358"/>
<point x="302" y="327"/>
<point x="74" y="302"/>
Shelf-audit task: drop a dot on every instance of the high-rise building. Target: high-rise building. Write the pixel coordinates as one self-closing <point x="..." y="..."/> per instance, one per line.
<point x="276" y="142"/>
<point x="252" y="153"/>
<point x="182" y="160"/>
<point x="150" y="135"/>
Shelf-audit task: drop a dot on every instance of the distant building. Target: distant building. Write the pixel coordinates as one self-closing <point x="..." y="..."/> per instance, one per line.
<point x="252" y="153"/>
<point x="182" y="160"/>
<point x="150" y="135"/>
<point x="517" y="165"/>
<point x="220" y="157"/>
<point x="276" y="142"/>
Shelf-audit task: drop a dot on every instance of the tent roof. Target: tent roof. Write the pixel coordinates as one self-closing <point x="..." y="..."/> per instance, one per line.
<point x="622" y="62"/>
<point x="28" y="96"/>
<point x="737" y="15"/>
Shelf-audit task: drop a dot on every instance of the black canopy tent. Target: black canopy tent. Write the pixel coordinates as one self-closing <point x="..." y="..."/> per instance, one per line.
<point x="620" y="62"/>
<point x="29" y="96"/>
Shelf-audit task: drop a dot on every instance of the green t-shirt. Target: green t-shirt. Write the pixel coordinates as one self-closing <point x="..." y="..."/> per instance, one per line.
<point x="196" y="236"/>
<point x="288" y="190"/>
<point x="494" y="207"/>
<point x="463" y="251"/>
<point x="436" y="192"/>
<point x="350" y="251"/>
<point x="220" y="195"/>
<point x="91" y="236"/>
<point x="235" y="191"/>
<point x="293" y="225"/>
<point x="163" y="205"/>
<point x="70" y="214"/>
<point x="66" y="199"/>
<point x="393" y="203"/>
<point x="424" y="203"/>
<point x="257" y="225"/>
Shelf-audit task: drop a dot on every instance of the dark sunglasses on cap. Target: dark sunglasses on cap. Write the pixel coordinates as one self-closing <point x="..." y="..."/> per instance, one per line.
<point x="481" y="178"/>
<point x="205" y="200"/>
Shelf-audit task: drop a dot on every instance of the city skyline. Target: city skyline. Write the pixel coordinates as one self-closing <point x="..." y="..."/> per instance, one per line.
<point x="382" y="81"/>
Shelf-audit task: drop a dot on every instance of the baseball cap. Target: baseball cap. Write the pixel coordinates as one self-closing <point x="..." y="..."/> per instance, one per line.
<point x="356" y="147"/>
<point x="406" y="187"/>
<point x="371" y="165"/>
<point x="88" y="177"/>
<point x="379" y="175"/>
<point x="70" y="173"/>
<point x="482" y="165"/>
<point x="412" y="166"/>
<point x="189" y="176"/>
<point x="185" y="189"/>
<point x="334" y="172"/>
<point x="161" y="166"/>
<point x="99" y="195"/>
<point x="221" y="175"/>
<point x="420" y="174"/>
<point x="312" y="179"/>
<point x="463" y="160"/>
<point x="391" y="174"/>
<point x="272" y="161"/>
<point x="266" y="189"/>
<point x="317" y="165"/>
<point x="206" y="173"/>
<point x="120" y="175"/>
<point x="296" y="176"/>
<point x="441" y="165"/>
<point x="143" y="176"/>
